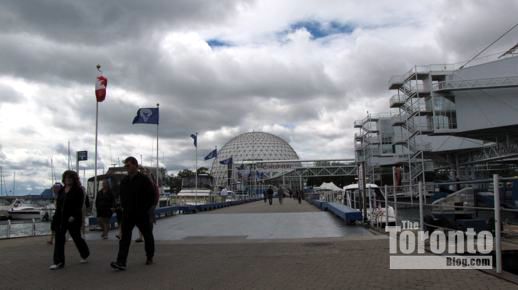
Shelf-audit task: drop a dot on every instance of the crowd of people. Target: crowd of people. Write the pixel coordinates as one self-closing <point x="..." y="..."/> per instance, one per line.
<point x="133" y="206"/>
<point x="281" y="193"/>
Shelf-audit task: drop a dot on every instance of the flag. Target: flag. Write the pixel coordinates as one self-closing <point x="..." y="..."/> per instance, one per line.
<point x="101" y="83"/>
<point x="146" y="116"/>
<point x="212" y="154"/>
<point x="195" y="139"/>
<point x="226" y="161"/>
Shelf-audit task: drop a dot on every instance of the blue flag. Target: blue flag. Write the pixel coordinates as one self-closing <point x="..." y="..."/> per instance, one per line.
<point x="212" y="154"/>
<point x="146" y="116"/>
<point x="195" y="138"/>
<point x="226" y="161"/>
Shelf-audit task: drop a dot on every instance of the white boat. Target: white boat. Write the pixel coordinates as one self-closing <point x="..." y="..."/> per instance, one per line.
<point x="24" y="210"/>
<point x="374" y="199"/>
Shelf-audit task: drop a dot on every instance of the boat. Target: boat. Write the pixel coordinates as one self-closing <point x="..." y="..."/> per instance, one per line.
<point x="192" y="195"/>
<point x="375" y="211"/>
<point x="24" y="210"/>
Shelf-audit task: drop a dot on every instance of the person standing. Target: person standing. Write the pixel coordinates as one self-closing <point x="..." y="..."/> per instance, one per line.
<point x="68" y="217"/>
<point x="137" y="196"/>
<point x="269" y="193"/>
<point x="223" y="193"/>
<point x="280" y="192"/>
<point x="104" y="203"/>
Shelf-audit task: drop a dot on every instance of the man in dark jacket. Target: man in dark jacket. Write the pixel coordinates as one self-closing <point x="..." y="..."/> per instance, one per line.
<point x="269" y="193"/>
<point x="137" y="196"/>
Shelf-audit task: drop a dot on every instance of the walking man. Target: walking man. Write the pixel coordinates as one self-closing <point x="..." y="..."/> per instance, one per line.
<point x="280" y="192"/>
<point x="269" y="193"/>
<point x="137" y="196"/>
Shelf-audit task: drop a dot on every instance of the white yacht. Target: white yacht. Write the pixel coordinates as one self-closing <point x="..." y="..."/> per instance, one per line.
<point x="27" y="210"/>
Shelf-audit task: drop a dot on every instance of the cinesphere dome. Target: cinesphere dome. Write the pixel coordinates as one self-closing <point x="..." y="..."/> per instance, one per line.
<point x="251" y="146"/>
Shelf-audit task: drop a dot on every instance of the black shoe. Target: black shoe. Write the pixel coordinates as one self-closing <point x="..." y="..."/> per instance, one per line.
<point x="118" y="266"/>
<point x="149" y="261"/>
<point x="139" y="240"/>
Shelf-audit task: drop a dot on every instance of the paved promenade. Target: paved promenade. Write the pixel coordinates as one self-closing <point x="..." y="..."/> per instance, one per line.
<point x="351" y="258"/>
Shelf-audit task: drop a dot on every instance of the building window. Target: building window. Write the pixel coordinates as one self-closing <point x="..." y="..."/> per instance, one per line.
<point x="445" y="112"/>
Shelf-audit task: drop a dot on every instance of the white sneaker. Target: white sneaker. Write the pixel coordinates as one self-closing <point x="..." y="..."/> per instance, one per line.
<point x="83" y="261"/>
<point x="56" y="266"/>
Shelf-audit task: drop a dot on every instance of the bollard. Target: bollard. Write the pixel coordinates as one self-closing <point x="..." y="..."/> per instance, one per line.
<point x="421" y="214"/>
<point x="498" y="245"/>
<point x="8" y="229"/>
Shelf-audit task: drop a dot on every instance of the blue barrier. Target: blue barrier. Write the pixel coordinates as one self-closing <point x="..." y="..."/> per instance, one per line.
<point x="181" y="209"/>
<point x="349" y="215"/>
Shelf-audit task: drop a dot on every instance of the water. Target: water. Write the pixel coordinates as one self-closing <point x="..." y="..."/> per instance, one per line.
<point x="24" y="229"/>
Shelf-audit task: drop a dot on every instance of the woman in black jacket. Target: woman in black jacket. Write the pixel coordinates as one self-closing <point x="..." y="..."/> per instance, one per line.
<point x="68" y="217"/>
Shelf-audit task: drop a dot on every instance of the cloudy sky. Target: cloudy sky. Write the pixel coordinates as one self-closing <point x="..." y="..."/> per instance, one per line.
<point x="304" y="70"/>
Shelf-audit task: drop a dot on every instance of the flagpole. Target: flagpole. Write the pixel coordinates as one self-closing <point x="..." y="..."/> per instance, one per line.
<point x="97" y="128"/>
<point x="95" y="162"/>
<point x="196" y="170"/>
<point x="157" y="123"/>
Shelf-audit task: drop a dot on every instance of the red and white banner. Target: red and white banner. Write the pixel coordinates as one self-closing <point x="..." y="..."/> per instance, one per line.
<point x="100" y="88"/>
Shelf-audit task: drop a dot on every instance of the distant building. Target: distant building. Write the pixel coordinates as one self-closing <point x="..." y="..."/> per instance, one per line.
<point x="462" y="122"/>
<point x="252" y="146"/>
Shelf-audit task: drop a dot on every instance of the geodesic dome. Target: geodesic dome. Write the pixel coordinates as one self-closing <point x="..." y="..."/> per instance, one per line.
<point x="252" y="146"/>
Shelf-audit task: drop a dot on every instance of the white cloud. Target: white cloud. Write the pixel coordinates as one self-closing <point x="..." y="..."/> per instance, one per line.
<point x="269" y="77"/>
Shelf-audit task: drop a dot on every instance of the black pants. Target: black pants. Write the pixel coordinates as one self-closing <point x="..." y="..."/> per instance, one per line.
<point x="270" y="200"/>
<point x="146" y="228"/>
<point x="59" y="244"/>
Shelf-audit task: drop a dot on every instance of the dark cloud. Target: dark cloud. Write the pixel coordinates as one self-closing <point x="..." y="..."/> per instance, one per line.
<point x="97" y="22"/>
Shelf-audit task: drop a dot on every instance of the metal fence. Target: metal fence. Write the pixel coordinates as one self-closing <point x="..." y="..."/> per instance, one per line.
<point x="415" y="204"/>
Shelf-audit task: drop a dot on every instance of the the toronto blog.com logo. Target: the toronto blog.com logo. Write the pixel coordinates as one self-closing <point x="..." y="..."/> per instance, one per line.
<point x="447" y="249"/>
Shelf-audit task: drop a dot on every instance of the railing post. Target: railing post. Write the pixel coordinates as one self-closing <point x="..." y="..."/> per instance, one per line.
<point x="421" y="214"/>
<point x="498" y="245"/>
<point x="33" y="227"/>
<point x="8" y="229"/>
<point x="394" y="192"/>
<point x="386" y="206"/>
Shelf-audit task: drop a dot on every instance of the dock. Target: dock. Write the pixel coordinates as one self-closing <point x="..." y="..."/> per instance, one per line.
<point x="248" y="246"/>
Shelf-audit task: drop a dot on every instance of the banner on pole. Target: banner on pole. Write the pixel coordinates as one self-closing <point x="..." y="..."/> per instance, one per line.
<point x="212" y="154"/>
<point x="146" y="116"/>
<point x="100" y="88"/>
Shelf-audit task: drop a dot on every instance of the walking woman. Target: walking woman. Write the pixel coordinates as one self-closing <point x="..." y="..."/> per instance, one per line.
<point x="68" y="217"/>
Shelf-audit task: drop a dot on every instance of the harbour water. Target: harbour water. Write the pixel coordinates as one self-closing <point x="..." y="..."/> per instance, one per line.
<point x="23" y="229"/>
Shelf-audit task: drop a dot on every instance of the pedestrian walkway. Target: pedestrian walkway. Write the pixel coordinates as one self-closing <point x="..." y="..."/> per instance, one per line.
<point x="211" y="251"/>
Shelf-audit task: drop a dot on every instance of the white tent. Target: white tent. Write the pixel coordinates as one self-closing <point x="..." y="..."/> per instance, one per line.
<point x="328" y="186"/>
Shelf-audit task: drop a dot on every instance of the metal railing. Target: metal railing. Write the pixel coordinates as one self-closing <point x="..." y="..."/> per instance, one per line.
<point x="414" y="203"/>
<point x="510" y="81"/>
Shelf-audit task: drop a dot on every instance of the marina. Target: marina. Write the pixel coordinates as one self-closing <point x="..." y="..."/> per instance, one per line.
<point x="259" y="145"/>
